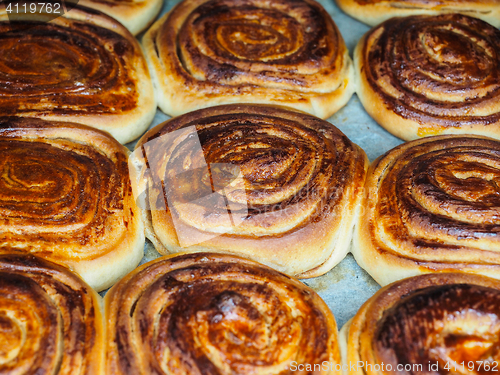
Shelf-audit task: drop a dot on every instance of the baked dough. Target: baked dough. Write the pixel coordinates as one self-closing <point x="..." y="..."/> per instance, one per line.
<point x="65" y="195"/>
<point x="82" y="67"/>
<point x="373" y="12"/>
<point x="210" y="52"/>
<point x="273" y="185"/>
<point x="431" y="205"/>
<point x="431" y="324"/>
<point x="216" y="314"/>
<point x="135" y="15"/>
<point x="430" y="75"/>
<point x="50" y="320"/>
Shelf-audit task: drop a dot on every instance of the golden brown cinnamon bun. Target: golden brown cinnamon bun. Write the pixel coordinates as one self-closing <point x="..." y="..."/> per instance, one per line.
<point x="135" y="15"/>
<point x="216" y="314"/>
<point x="83" y="67"/>
<point x="373" y="12"/>
<point x="432" y="205"/>
<point x="431" y="75"/>
<point x="430" y="324"/>
<point x="50" y="320"/>
<point x="276" y="186"/>
<point x="210" y="52"/>
<point x="65" y="195"/>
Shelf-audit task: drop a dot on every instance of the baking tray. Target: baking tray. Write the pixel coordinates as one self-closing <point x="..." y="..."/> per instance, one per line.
<point x="347" y="286"/>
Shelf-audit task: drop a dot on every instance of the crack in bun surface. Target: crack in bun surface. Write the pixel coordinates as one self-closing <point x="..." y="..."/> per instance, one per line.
<point x="277" y="186"/>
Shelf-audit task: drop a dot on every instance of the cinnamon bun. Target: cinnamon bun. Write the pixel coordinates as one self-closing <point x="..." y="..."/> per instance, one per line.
<point x="135" y="15"/>
<point x="373" y="12"/>
<point x="431" y="75"/>
<point x="216" y="314"/>
<point x="82" y="67"/>
<point x="276" y="186"/>
<point x="430" y="324"/>
<point x="65" y="195"/>
<point x="210" y="52"/>
<point x="50" y="320"/>
<point x="431" y="205"/>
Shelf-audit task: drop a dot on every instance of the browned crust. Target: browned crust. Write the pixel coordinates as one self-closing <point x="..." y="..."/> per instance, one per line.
<point x="58" y="313"/>
<point x="197" y="80"/>
<point x="359" y="335"/>
<point x="107" y="87"/>
<point x="250" y="300"/>
<point x="304" y="243"/>
<point x="66" y="196"/>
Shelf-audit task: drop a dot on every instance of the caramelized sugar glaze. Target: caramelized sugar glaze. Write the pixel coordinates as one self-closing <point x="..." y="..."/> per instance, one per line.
<point x="432" y="205"/>
<point x="439" y="73"/>
<point x="82" y="67"/>
<point x="225" y="29"/>
<point x="75" y="68"/>
<point x="211" y="314"/>
<point x="222" y="51"/>
<point x="292" y="182"/>
<point x="448" y="321"/>
<point x="65" y="193"/>
<point x="50" y="320"/>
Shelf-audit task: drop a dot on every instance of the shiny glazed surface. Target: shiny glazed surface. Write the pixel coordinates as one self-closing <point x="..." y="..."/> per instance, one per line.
<point x="435" y="3"/>
<point x="283" y="45"/>
<point x="277" y="170"/>
<point x="215" y="52"/>
<point x="210" y="314"/>
<point x="50" y="321"/>
<point x="435" y="201"/>
<point x="440" y="71"/>
<point x="66" y="67"/>
<point x="439" y="321"/>
<point x="62" y="195"/>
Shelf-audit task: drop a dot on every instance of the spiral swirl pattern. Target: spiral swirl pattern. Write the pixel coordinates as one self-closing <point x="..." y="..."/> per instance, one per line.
<point x="82" y="67"/>
<point x="222" y="51"/>
<point x="432" y="205"/>
<point x="432" y="75"/>
<point x="215" y="314"/>
<point x="50" y="320"/>
<point x="283" y="176"/>
<point x="65" y="193"/>
<point x="83" y="73"/>
<point x="437" y="322"/>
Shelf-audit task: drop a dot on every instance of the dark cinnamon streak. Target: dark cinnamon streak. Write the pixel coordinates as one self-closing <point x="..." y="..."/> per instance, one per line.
<point x="439" y="193"/>
<point x="447" y="55"/>
<point x="448" y="3"/>
<point x="229" y="21"/>
<point x="60" y="317"/>
<point x="415" y="330"/>
<point x="47" y="185"/>
<point x="273" y="155"/>
<point x="245" y="44"/>
<point x="232" y="307"/>
<point x="79" y="68"/>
